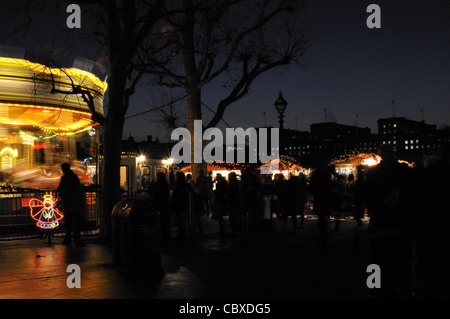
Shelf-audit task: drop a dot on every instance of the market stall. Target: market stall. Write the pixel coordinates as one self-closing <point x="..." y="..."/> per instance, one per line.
<point x="350" y="165"/>
<point x="285" y="165"/>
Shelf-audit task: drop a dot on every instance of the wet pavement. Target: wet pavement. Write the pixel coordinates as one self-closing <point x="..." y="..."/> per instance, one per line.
<point x="276" y="265"/>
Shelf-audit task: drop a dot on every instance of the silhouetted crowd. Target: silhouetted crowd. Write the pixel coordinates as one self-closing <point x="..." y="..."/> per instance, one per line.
<point x="407" y="206"/>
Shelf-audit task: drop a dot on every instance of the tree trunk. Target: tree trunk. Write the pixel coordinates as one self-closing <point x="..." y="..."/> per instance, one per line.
<point x="195" y="113"/>
<point x="112" y="149"/>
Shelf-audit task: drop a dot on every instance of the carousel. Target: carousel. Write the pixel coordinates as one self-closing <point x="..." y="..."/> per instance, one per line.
<point x="44" y="113"/>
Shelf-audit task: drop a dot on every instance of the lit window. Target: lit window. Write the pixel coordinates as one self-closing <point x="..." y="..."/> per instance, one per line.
<point x="394" y="125"/>
<point x="406" y="147"/>
<point x="406" y="142"/>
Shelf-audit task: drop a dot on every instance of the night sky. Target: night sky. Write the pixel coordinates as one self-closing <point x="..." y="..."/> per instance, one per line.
<point x="350" y="70"/>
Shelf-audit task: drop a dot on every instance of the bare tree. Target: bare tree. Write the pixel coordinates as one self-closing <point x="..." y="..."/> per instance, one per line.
<point x="167" y="112"/>
<point x="232" y="41"/>
<point x="186" y="44"/>
<point x="123" y="27"/>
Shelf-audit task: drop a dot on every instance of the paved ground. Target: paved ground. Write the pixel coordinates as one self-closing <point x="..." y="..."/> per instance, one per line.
<point x="273" y="266"/>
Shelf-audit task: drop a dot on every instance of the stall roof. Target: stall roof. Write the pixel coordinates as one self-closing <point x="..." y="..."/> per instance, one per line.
<point x="285" y="163"/>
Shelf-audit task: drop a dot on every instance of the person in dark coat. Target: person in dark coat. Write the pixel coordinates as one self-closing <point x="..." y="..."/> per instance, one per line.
<point x="180" y="202"/>
<point x="71" y="195"/>
<point x="160" y="196"/>
<point x="321" y="188"/>
<point x="220" y="203"/>
<point x="234" y="203"/>
<point x="389" y="201"/>
<point x="432" y="226"/>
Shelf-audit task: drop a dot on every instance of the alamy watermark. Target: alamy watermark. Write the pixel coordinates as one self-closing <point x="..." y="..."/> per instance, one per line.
<point x="74" y="279"/>
<point x="257" y="140"/>
<point x="374" y="279"/>
<point x="73" y="21"/>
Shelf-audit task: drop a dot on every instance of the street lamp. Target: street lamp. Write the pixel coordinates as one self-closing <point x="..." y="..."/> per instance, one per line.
<point x="280" y="104"/>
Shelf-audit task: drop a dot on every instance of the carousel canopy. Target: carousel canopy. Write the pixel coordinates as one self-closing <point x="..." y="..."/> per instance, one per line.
<point x="27" y="99"/>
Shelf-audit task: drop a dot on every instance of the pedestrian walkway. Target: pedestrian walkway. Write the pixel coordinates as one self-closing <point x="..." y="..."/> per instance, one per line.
<point x="270" y="266"/>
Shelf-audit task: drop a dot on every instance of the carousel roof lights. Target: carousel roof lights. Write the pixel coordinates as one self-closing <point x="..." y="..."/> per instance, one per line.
<point x="32" y="94"/>
<point x="76" y="74"/>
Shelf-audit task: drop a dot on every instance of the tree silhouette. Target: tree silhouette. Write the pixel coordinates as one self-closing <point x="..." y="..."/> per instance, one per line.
<point x="230" y="41"/>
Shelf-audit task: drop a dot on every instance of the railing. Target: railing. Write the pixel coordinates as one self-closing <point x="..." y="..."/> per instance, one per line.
<point x="16" y="221"/>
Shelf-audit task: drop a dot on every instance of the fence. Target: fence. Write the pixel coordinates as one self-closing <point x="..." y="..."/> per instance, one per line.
<point x="16" y="221"/>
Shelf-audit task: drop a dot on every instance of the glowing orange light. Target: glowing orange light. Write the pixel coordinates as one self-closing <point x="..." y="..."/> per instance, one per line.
<point x="371" y="161"/>
<point x="26" y="96"/>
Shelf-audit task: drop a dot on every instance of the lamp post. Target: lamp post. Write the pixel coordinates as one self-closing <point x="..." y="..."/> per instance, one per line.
<point x="280" y="105"/>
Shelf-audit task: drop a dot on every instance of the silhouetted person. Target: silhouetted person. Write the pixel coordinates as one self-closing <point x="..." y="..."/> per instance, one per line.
<point x="388" y="197"/>
<point x="293" y="200"/>
<point x="201" y="196"/>
<point x="433" y="225"/>
<point x="302" y="194"/>
<point x="171" y="180"/>
<point x="321" y="188"/>
<point x="338" y="200"/>
<point x="267" y="193"/>
<point x="234" y="201"/>
<point x="252" y="201"/>
<point x="160" y="196"/>
<point x="357" y="191"/>
<point x="71" y="193"/>
<point x="279" y="200"/>
<point x="180" y="202"/>
<point x="357" y="194"/>
<point x="220" y="203"/>
<point x="209" y="193"/>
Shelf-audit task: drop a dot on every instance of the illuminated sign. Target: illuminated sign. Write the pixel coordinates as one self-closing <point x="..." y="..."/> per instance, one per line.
<point x="44" y="212"/>
<point x="8" y="156"/>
